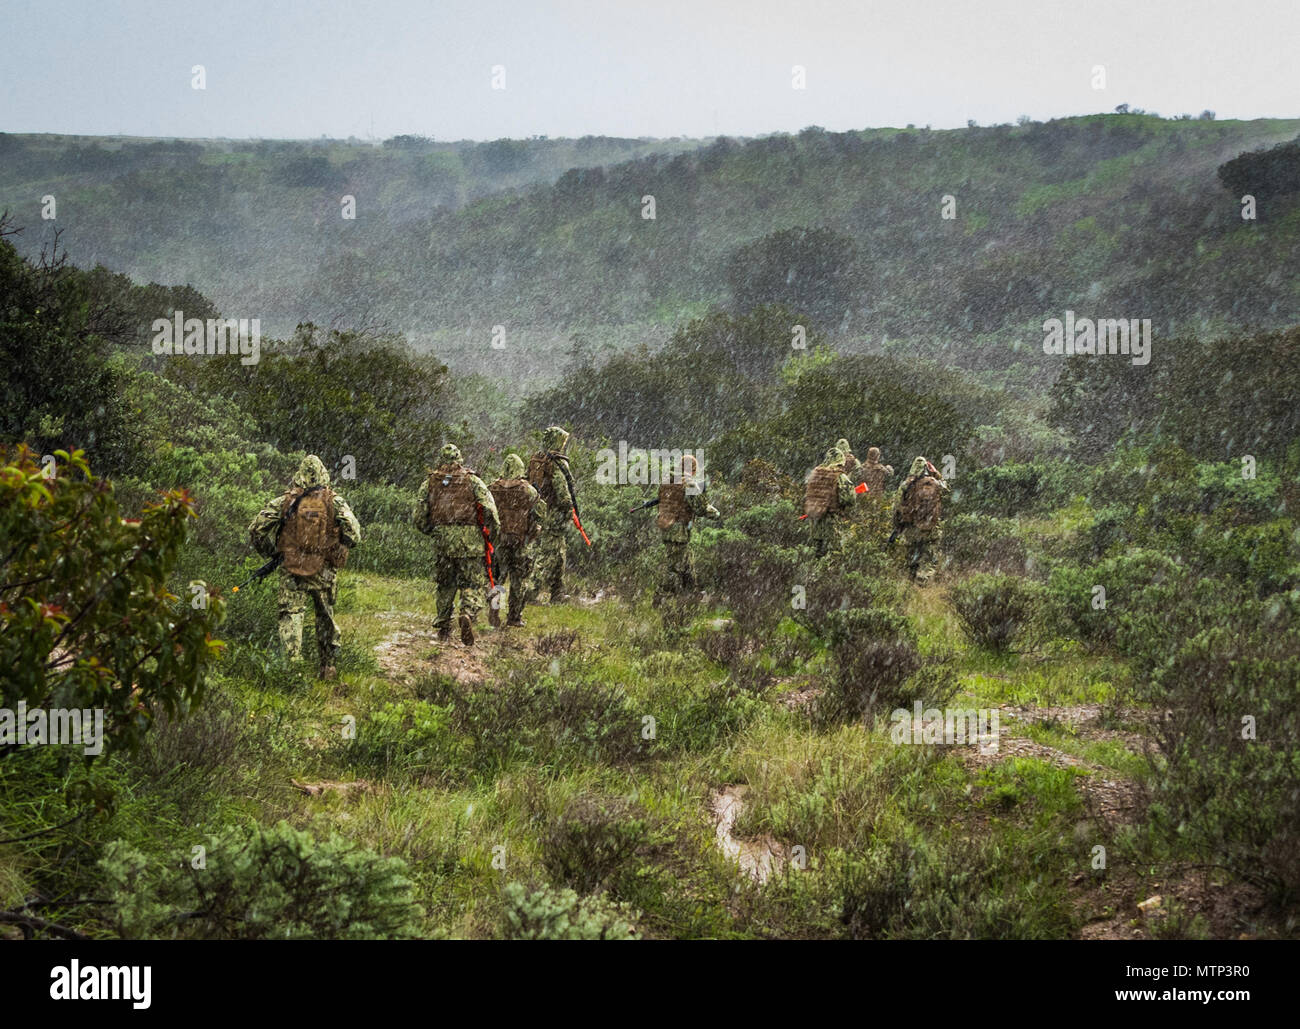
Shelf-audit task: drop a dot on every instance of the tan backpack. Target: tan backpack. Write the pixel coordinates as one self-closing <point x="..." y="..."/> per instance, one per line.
<point x="514" y="506"/>
<point x="921" y="504"/>
<point x="451" y="497"/>
<point x="874" y="475"/>
<point x="309" y="537"/>
<point x="541" y="471"/>
<point x="673" y="509"/>
<point x="821" y="496"/>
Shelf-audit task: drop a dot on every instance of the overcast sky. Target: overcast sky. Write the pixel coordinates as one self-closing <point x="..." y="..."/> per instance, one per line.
<point x="615" y="67"/>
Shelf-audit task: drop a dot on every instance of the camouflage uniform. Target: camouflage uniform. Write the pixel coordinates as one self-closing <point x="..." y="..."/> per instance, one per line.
<point x="295" y="590"/>
<point x="875" y="505"/>
<point x="850" y="462"/>
<point x="513" y="558"/>
<point x="458" y="551"/>
<point x="552" y="546"/>
<point x="826" y="530"/>
<point x="679" y="566"/>
<point x="922" y="540"/>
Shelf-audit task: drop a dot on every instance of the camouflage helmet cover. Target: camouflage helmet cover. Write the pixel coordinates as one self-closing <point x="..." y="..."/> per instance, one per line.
<point x="311" y="472"/>
<point x="554" y="439"/>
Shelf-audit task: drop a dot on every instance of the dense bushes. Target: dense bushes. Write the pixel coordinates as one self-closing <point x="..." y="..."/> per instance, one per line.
<point x="1220" y="667"/>
<point x="879" y="667"/>
<point x="1094" y="601"/>
<point x="997" y="610"/>
<point x="550" y="914"/>
<point x="1220" y="399"/>
<point x="87" y="619"/>
<point x="593" y="842"/>
<point x="977" y="541"/>
<point x="267" y="884"/>
<point x="805" y="269"/>
<point x="1015" y="489"/>
<point x="360" y="402"/>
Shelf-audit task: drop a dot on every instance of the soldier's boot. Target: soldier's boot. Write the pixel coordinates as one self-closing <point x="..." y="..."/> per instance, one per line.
<point x="444" y="633"/>
<point x="514" y="623"/>
<point x="467" y="630"/>
<point x="494" y="608"/>
<point x="328" y="671"/>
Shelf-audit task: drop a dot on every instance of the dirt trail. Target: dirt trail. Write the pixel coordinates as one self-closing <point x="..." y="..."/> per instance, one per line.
<point x="405" y="655"/>
<point x="1110" y="796"/>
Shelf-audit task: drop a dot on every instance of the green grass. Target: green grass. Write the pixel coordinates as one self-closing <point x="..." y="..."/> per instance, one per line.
<point x="474" y="805"/>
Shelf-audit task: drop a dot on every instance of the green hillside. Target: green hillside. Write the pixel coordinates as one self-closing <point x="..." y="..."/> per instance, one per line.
<point x="1117" y="214"/>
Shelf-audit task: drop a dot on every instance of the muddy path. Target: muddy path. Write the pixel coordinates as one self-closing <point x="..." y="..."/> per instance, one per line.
<point x="757" y="858"/>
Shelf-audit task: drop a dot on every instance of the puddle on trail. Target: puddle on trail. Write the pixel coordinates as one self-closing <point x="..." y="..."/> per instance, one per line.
<point x="757" y="858"/>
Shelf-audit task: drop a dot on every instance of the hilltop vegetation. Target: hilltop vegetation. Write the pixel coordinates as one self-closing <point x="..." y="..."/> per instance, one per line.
<point x="258" y="222"/>
<point x="1123" y="215"/>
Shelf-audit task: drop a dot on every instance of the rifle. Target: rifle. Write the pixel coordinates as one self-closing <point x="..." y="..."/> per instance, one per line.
<point x="487" y="543"/>
<point x="563" y="465"/>
<point x="261" y="573"/>
<point x="641" y="507"/>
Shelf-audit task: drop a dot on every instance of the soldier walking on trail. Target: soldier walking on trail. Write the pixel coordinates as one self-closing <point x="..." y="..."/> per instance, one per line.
<point x="549" y="473"/>
<point x="522" y="513"/>
<point x="457" y="510"/>
<point x="827" y="501"/>
<point x="682" y="499"/>
<point x="308" y="529"/>
<point x="917" y="509"/>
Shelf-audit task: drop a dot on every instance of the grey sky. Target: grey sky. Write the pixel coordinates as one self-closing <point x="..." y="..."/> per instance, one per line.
<point x="612" y="67"/>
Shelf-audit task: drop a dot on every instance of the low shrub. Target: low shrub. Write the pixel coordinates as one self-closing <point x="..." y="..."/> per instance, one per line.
<point x="550" y="914"/>
<point x="264" y="884"/>
<point x="997" y="610"/>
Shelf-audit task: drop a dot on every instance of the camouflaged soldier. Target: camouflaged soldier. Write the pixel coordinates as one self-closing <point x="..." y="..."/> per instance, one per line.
<point x="549" y="473"/>
<point x="682" y="499"/>
<point x="455" y="507"/>
<point x="309" y="528"/>
<point x="917" y="508"/>
<point x="827" y="500"/>
<point x="850" y="462"/>
<point x="522" y="514"/>
<point x="873" y="473"/>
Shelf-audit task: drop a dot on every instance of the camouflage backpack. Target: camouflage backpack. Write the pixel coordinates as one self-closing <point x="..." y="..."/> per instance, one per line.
<point x="309" y="537"/>
<point x="514" y="505"/>
<point x="921" y="504"/>
<point x="821" y="495"/>
<point x="874" y="475"/>
<point x="673" y="509"/>
<point x="451" y="497"/>
<point x="541" y="471"/>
